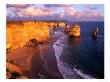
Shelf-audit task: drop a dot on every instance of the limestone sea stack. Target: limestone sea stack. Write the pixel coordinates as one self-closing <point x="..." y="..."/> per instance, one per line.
<point x="67" y="29"/>
<point x="94" y="33"/>
<point x="75" y="31"/>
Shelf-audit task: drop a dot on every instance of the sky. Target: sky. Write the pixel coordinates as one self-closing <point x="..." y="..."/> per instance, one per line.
<point x="75" y="12"/>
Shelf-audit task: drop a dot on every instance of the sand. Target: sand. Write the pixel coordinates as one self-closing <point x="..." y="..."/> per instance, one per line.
<point x="28" y="59"/>
<point x="33" y="64"/>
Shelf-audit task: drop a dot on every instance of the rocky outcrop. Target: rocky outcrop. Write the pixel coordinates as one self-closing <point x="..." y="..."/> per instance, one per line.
<point x="13" y="71"/>
<point x="32" y="43"/>
<point x="67" y="29"/>
<point x="75" y="31"/>
<point x="61" y="24"/>
<point x="94" y="33"/>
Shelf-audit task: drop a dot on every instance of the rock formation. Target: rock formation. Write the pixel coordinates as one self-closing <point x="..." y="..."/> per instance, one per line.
<point x="67" y="29"/>
<point x="94" y="33"/>
<point x="75" y="31"/>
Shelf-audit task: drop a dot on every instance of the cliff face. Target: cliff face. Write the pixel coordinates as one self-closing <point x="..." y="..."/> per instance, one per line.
<point x="20" y="32"/>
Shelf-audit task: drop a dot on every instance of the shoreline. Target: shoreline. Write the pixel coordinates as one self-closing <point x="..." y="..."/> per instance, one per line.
<point x="58" y="48"/>
<point x="49" y="61"/>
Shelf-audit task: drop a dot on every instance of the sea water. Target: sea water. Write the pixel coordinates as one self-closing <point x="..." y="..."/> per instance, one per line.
<point x="81" y="57"/>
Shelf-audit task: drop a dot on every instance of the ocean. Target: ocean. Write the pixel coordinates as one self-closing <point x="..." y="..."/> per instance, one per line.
<point x="81" y="57"/>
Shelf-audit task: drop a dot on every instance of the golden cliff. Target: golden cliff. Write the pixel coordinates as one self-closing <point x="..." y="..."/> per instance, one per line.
<point x="20" y="32"/>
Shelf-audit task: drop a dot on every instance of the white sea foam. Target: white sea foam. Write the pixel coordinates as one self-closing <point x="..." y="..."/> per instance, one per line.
<point x="64" y="69"/>
<point x="59" y="33"/>
<point x="99" y="36"/>
<point x="85" y="76"/>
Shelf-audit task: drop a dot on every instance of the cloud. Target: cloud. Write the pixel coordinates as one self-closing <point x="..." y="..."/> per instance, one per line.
<point x="17" y="5"/>
<point x="58" y="5"/>
<point x="12" y="12"/>
<point x="90" y="7"/>
<point x="69" y="11"/>
<point x="53" y="11"/>
<point x="74" y="14"/>
<point x="88" y="15"/>
<point x="21" y="10"/>
<point x="33" y="11"/>
<point x="61" y="15"/>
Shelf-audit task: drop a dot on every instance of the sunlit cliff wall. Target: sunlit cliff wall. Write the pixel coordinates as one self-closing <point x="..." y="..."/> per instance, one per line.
<point x="20" y="32"/>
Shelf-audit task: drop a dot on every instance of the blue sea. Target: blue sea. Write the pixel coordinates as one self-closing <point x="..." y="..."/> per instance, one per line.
<point x="81" y="57"/>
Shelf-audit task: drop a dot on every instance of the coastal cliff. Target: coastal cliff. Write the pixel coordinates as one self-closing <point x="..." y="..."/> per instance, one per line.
<point x="20" y="32"/>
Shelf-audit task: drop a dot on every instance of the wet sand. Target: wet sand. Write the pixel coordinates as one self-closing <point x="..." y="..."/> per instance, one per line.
<point x="49" y="60"/>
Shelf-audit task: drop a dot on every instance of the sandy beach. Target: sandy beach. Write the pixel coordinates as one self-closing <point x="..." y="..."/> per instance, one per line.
<point x="34" y="62"/>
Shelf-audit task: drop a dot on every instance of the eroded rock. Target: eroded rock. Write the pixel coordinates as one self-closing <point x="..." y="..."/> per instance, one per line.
<point x="75" y="31"/>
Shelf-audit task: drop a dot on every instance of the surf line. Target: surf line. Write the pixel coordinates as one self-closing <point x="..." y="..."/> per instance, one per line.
<point x="66" y="72"/>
